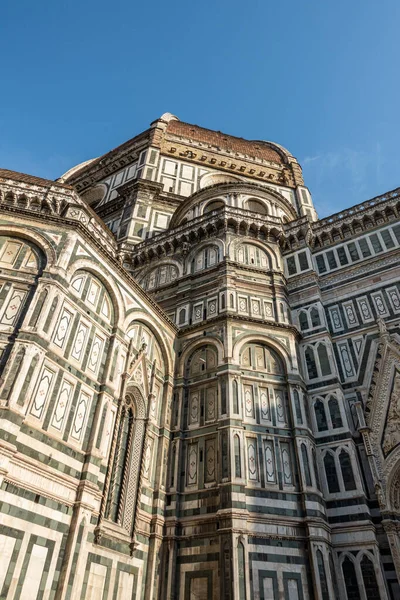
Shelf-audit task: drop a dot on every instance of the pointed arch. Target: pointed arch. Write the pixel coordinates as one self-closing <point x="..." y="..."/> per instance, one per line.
<point x="126" y="459"/>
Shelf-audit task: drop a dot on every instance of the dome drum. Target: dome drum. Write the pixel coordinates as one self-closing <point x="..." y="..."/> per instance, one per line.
<point x="237" y="196"/>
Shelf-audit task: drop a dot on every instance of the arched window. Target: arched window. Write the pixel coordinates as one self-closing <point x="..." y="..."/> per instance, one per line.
<point x="117" y="491"/>
<point x="235" y="397"/>
<point x="320" y="416"/>
<point x="182" y="316"/>
<point x="231" y="301"/>
<point x="315" y="318"/>
<point x="303" y="320"/>
<point x="369" y="578"/>
<point x="207" y="257"/>
<point x="241" y="571"/>
<point x="350" y="579"/>
<point x="306" y="466"/>
<point x="311" y="364"/>
<point x="347" y="471"/>
<point x="223" y="302"/>
<point x="161" y="275"/>
<point x="330" y="473"/>
<point x="324" y="360"/>
<point x="297" y="407"/>
<point x="256" y="206"/>
<point x="334" y="412"/>
<point x="322" y="576"/>
<point x="236" y="447"/>
<point x="316" y="473"/>
<point x="214" y="205"/>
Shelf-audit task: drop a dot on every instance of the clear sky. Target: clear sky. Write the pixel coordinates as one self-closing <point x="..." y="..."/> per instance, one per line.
<point x="321" y="78"/>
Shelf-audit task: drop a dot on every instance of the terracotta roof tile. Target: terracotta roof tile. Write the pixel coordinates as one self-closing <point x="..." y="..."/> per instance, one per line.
<point x="23" y="178"/>
<point x="222" y="140"/>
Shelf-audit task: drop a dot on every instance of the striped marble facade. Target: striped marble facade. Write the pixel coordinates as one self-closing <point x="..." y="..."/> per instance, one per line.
<point x="199" y="379"/>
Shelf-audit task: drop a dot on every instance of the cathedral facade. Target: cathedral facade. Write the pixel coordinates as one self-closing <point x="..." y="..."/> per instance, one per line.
<point x="199" y="379"/>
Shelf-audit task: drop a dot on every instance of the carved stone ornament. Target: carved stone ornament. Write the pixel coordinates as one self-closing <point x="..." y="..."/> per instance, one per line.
<point x="392" y="431"/>
<point x="382" y="417"/>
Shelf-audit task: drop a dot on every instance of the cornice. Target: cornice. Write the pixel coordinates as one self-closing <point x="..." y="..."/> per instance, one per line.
<point x="200" y="154"/>
<point x="226" y="317"/>
<point x="318" y="235"/>
<point x="199" y="229"/>
<point x="109" y="163"/>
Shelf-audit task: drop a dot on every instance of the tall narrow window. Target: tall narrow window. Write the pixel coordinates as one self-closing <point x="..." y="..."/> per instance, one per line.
<point x="242" y="571"/>
<point x="315" y="318"/>
<point x="172" y="466"/>
<point x="224" y="452"/>
<point x="291" y="265"/>
<point x="297" y="407"/>
<point x="235" y="397"/>
<point x="316" y="474"/>
<point x="350" y="579"/>
<point x="311" y="364"/>
<point x="322" y="576"/>
<point x="320" y="416"/>
<point x="223" y="397"/>
<point x="347" y="471"/>
<point x="303" y="320"/>
<point x="231" y="301"/>
<point x="369" y="578"/>
<point x="182" y="316"/>
<point x="236" y="447"/>
<point x="116" y="499"/>
<point x="331" y="475"/>
<point x="324" y="360"/>
<point x="306" y="465"/>
<point x="334" y="412"/>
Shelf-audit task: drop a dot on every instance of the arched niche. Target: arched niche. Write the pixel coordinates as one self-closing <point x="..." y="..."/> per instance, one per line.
<point x="257" y="206"/>
<point x="213" y="205"/>
<point x="20" y="254"/>
<point x="262" y="358"/>
<point x="163" y="274"/>
<point x="92" y="291"/>
<point x="210" y="179"/>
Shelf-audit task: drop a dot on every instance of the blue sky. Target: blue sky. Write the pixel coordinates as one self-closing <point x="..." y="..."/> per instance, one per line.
<point x="319" y="77"/>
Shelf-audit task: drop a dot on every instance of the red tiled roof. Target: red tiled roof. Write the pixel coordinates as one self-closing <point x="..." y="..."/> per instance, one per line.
<point x="222" y="140"/>
<point x="23" y="178"/>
